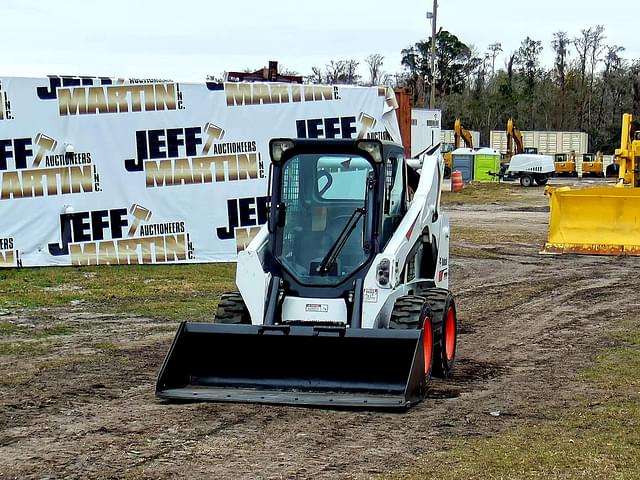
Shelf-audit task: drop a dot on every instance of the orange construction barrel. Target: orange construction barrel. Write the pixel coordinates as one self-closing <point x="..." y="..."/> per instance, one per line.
<point x="457" y="183"/>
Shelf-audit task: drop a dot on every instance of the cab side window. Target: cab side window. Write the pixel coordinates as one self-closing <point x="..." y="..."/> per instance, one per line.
<point x="394" y="197"/>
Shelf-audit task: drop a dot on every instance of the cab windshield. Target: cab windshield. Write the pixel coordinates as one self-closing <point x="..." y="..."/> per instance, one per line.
<point x="325" y="200"/>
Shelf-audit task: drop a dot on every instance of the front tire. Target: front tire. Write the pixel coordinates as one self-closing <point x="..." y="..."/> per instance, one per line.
<point x="445" y="321"/>
<point x="232" y="309"/>
<point x="413" y="313"/>
<point x="526" y="181"/>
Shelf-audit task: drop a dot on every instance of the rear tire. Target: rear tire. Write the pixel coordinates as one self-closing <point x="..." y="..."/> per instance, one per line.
<point x="445" y="323"/>
<point x="526" y="181"/>
<point x="412" y="313"/>
<point x="232" y="309"/>
<point x="541" y="180"/>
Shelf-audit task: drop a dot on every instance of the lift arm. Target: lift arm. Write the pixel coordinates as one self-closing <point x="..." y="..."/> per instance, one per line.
<point x="629" y="149"/>
<point x="459" y="132"/>
<point x="514" y="136"/>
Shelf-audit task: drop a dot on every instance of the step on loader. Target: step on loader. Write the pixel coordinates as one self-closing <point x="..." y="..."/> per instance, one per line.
<point x="600" y="220"/>
<point x="343" y="294"/>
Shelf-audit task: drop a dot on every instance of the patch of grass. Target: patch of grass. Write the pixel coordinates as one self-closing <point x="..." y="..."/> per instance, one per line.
<point x="629" y="337"/>
<point x="54" y="331"/>
<point x="486" y="193"/>
<point x="106" y="346"/>
<point x="169" y="327"/>
<point x="29" y="340"/>
<point x="9" y="328"/>
<point x="594" y="443"/>
<point x="12" y="379"/>
<point x="73" y="359"/>
<point x="27" y="347"/>
<point x="185" y="308"/>
<point x="472" y="252"/>
<point x="600" y="439"/>
<point x="493" y="236"/>
<point x="619" y="367"/>
<point x="160" y="291"/>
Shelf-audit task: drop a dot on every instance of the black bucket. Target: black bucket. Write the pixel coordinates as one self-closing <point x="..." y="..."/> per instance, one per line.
<point x="296" y="365"/>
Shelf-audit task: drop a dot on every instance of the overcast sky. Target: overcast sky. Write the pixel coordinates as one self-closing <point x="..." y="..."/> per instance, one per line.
<point x="188" y="39"/>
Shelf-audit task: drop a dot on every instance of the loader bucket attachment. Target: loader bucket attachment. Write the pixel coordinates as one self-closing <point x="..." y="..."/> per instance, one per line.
<point x="297" y="365"/>
<point x="594" y="220"/>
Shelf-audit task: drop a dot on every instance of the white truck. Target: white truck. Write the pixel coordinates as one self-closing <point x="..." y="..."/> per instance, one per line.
<point x="529" y="168"/>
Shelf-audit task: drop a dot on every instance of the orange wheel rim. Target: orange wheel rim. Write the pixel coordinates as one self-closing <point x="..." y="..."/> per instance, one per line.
<point x="450" y="335"/>
<point x="427" y="343"/>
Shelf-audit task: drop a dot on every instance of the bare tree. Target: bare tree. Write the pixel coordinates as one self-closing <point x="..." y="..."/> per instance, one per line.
<point x="374" y="63"/>
<point x="589" y="48"/>
<point x="635" y="73"/>
<point x="609" y="96"/>
<point x="494" y="50"/>
<point x="342" y="71"/>
<point x="509" y="63"/>
<point x="334" y="71"/>
<point x="351" y="75"/>
<point x="560" y="45"/>
<point x="316" y="75"/>
<point x="282" y="70"/>
<point x="596" y="50"/>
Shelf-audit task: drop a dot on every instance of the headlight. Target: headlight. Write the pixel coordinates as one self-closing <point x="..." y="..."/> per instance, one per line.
<point x="373" y="148"/>
<point x="383" y="272"/>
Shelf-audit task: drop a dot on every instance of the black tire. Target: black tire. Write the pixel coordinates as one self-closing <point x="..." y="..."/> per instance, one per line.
<point x="232" y="309"/>
<point x="541" y="180"/>
<point x="443" y="304"/>
<point x="409" y="313"/>
<point x="526" y="181"/>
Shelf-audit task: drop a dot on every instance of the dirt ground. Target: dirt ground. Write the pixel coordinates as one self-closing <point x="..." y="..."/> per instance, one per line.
<point x="528" y="324"/>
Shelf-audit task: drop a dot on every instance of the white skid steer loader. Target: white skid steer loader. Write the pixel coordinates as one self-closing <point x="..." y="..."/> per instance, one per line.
<point x="343" y="295"/>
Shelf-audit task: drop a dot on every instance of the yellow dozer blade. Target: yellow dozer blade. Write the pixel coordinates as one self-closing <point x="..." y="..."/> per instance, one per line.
<point x="600" y="220"/>
<point x="594" y="220"/>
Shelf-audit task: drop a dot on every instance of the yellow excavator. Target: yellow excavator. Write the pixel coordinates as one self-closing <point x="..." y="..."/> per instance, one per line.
<point x="459" y="133"/>
<point x="514" y="139"/>
<point x="600" y="220"/>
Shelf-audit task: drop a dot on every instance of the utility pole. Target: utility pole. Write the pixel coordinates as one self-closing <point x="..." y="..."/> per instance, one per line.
<point x="433" y="16"/>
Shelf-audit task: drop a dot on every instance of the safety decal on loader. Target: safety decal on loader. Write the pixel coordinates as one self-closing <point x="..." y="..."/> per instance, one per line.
<point x="316" y="307"/>
<point x="371" y="295"/>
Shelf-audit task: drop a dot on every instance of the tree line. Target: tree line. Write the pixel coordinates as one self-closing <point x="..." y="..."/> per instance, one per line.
<point x="588" y="87"/>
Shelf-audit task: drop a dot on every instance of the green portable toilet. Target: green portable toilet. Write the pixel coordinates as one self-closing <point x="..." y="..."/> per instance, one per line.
<point x="487" y="161"/>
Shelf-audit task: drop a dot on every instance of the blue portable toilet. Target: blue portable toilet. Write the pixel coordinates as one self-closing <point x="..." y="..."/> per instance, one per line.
<point x="463" y="159"/>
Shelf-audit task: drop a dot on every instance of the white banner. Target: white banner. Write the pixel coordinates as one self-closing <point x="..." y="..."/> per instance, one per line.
<point x="97" y="171"/>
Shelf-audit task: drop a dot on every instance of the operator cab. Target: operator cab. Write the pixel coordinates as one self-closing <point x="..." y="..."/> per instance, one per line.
<point x="335" y="204"/>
